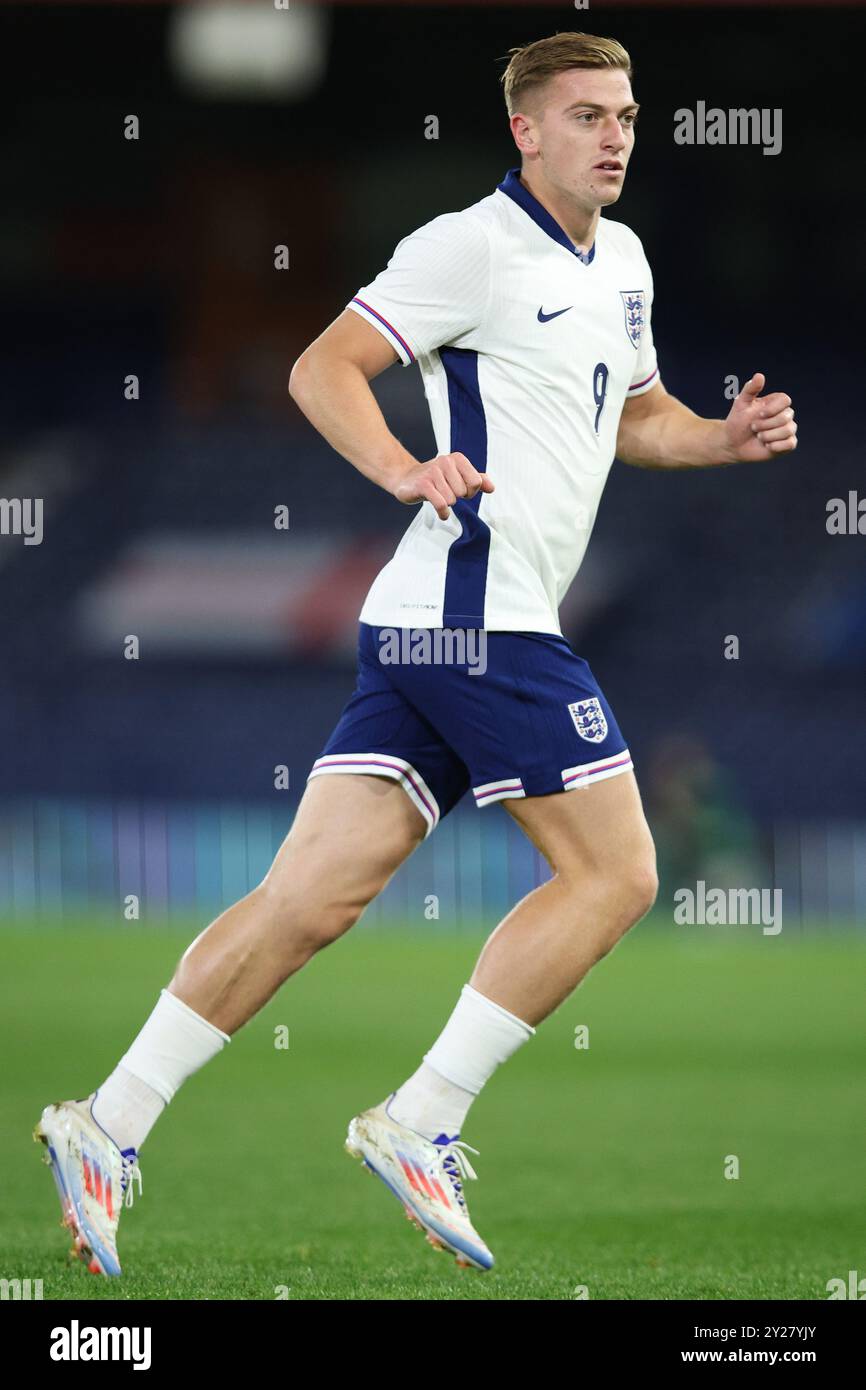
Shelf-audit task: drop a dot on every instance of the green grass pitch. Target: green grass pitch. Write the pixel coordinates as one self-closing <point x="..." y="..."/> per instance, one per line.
<point x="601" y="1168"/>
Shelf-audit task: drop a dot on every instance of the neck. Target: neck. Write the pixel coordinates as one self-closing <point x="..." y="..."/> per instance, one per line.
<point x="578" y="223"/>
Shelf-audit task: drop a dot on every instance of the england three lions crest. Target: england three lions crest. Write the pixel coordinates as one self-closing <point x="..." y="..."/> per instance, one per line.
<point x="634" y="305"/>
<point x="589" y="719"/>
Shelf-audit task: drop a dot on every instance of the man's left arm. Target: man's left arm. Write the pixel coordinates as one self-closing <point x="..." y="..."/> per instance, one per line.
<point x="658" y="431"/>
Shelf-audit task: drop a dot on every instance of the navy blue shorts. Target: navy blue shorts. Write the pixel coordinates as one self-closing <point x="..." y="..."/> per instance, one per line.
<point x="519" y="715"/>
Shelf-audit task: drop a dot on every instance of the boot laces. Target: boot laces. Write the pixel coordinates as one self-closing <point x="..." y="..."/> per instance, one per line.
<point x="456" y="1166"/>
<point x="130" y="1173"/>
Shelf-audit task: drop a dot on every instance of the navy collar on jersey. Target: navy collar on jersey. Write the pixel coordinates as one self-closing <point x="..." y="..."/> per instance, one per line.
<point x="515" y="190"/>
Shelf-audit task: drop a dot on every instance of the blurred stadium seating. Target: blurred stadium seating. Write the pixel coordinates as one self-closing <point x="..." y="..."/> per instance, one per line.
<point x="155" y="258"/>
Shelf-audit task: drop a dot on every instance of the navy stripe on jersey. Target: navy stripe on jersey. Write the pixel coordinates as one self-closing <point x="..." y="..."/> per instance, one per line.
<point x="466" y="570"/>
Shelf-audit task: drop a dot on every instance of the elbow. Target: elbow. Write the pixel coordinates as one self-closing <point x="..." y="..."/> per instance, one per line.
<point x="297" y="376"/>
<point x="310" y="373"/>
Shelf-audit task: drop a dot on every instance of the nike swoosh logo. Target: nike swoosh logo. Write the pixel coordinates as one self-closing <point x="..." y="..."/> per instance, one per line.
<point x="545" y="318"/>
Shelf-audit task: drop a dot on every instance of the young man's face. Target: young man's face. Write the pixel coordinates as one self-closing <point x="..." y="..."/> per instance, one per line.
<point x="579" y="121"/>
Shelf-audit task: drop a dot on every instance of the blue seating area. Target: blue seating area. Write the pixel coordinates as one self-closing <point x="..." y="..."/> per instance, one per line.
<point x="677" y="564"/>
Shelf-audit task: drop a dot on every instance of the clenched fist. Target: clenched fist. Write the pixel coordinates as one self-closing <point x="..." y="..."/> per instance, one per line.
<point x="759" y="426"/>
<point x="441" y="481"/>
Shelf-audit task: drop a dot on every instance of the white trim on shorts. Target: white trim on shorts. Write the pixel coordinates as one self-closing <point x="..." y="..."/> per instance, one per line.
<point x="501" y="790"/>
<point x="385" y="765"/>
<point x="602" y="768"/>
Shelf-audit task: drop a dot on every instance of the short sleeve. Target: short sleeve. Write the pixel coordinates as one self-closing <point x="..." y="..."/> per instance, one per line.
<point x="646" y="369"/>
<point x="434" y="289"/>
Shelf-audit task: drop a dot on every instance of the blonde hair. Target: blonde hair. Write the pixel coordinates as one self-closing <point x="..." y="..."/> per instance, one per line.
<point x="534" y="64"/>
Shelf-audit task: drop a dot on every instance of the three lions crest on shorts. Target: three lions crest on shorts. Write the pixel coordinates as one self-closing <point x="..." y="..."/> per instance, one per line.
<point x="589" y="719"/>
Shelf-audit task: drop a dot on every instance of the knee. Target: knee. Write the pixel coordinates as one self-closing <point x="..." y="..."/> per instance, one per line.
<point x="331" y="923"/>
<point x="306" y="914"/>
<point x="640" y="888"/>
<point x="622" y="886"/>
<point x="630" y="889"/>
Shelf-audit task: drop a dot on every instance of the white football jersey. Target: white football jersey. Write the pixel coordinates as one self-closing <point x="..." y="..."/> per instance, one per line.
<point x="528" y="349"/>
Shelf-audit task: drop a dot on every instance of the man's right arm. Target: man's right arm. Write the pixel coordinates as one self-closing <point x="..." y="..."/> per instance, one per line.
<point x="330" y="384"/>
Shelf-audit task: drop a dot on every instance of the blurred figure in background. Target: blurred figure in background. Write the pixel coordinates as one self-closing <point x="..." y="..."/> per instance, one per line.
<point x="700" y="826"/>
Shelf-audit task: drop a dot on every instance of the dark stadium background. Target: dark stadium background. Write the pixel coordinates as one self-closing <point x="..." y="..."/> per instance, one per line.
<point x="138" y="797"/>
<point x="156" y="257"/>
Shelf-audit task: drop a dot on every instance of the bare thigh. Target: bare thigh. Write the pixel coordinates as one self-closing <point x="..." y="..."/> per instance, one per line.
<point x="598" y="831"/>
<point x="599" y="846"/>
<point x="351" y="833"/>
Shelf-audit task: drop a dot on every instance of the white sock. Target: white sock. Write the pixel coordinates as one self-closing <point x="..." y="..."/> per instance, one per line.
<point x="126" y="1108"/>
<point x="173" y="1044"/>
<point x="431" y="1105"/>
<point x="477" y="1038"/>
